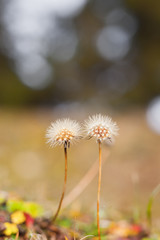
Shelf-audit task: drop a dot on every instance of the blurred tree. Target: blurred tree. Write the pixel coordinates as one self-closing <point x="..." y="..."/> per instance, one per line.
<point x="97" y="50"/>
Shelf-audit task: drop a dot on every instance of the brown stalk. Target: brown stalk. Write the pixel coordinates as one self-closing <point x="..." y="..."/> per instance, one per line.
<point x="99" y="188"/>
<point x="84" y="182"/>
<point x="64" y="186"/>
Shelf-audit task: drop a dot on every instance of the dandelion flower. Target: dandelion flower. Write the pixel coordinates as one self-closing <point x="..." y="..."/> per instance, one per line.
<point x="63" y="132"/>
<point x="101" y="127"/>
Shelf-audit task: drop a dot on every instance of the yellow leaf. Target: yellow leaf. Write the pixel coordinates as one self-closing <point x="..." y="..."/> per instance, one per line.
<point x="66" y="238"/>
<point x="11" y="228"/>
<point x="18" y="217"/>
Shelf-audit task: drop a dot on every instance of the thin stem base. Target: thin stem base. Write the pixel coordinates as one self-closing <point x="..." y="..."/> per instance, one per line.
<point x="99" y="188"/>
<point x="64" y="186"/>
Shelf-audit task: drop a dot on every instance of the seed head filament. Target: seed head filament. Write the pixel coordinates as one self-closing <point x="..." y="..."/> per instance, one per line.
<point x="100" y="132"/>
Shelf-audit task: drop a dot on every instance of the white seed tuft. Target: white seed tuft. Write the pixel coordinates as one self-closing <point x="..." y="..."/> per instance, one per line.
<point x="63" y="131"/>
<point x="101" y="127"/>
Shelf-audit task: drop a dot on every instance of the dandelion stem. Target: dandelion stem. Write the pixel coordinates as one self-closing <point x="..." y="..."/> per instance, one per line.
<point x="84" y="182"/>
<point x="99" y="188"/>
<point x="64" y="186"/>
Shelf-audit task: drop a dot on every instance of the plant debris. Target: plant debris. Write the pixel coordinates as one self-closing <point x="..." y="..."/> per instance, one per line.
<point x="23" y="220"/>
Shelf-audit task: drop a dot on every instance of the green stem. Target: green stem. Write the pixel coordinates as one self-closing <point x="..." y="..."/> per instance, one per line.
<point x="150" y="203"/>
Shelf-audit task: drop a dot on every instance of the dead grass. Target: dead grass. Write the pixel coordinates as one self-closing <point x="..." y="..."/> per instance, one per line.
<point x="29" y="167"/>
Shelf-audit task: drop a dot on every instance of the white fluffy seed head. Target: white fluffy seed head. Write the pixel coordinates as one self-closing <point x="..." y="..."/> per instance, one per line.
<point x="101" y="127"/>
<point x="63" y="132"/>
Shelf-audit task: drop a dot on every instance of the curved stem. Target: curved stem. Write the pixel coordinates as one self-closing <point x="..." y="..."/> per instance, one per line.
<point x="64" y="186"/>
<point x="84" y="182"/>
<point x="98" y="193"/>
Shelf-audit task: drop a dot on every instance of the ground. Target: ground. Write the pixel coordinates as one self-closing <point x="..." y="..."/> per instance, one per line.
<point x="129" y="175"/>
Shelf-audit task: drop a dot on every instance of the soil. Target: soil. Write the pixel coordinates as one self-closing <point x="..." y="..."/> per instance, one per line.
<point x="44" y="229"/>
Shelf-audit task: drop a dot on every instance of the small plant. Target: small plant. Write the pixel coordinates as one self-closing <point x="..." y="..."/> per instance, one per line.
<point x="63" y="132"/>
<point x="103" y="129"/>
<point x="153" y="195"/>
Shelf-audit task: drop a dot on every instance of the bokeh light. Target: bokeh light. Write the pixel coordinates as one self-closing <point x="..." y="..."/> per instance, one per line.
<point x="113" y="43"/>
<point x="122" y="18"/>
<point x="74" y="58"/>
<point x="34" y="71"/>
<point x="153" y="115"/>
<point x="36" y="35"/>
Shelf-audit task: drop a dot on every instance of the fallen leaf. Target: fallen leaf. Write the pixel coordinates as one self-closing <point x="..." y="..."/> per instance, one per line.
<point x="10" y="228"/>
<point x="18" y="217"/>
<point x="29" y="220"/>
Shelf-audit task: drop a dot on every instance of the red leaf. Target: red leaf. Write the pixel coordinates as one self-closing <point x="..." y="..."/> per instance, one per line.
<point x="136" y="228"/>
<point x="29" y="220"/>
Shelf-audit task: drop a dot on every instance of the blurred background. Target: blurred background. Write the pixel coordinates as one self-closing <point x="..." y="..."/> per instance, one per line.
<point x="70" y="59"/>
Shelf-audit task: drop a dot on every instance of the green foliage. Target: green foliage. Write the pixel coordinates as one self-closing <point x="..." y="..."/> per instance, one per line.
<point x="34" y="209"/>
<point x="150" y="203"/>
<point x="88" y="228"/>
<point x="12" y="237"/>
<point x="1" y="200"/>
<point x="64" y="222"/>
<point x="151" y="238"/>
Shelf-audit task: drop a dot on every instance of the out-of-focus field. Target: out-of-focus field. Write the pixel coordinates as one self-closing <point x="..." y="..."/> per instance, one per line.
<point x="30" y="168"/>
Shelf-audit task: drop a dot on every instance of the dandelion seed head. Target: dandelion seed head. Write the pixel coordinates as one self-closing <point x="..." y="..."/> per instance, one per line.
<point x="101" y="127"/>
<point x="63" y="131"/>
